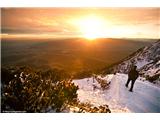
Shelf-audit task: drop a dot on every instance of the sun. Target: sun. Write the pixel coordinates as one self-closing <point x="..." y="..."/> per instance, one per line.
<point x="91" y="27"/>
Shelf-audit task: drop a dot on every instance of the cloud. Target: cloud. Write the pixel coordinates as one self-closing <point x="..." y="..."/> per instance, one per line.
<point x="56" y="21"/>
<point x="16" y="30"/>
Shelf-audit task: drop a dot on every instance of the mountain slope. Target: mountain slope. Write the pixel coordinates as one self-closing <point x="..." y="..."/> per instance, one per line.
<point x="147" y="60"/>
<point x="145" y="97"/>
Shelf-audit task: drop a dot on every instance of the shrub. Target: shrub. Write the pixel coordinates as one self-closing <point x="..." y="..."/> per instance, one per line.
<point x="29" y="90"/>
<point x="153" y="78"/>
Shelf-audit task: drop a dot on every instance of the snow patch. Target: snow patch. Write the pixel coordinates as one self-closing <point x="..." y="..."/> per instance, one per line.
<point x="145" y="97"/>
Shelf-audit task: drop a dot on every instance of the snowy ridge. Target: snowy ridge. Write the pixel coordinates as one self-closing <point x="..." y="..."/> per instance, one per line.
<point x="145" y="97"/>
<point x="97" y="97"/>
<point x="147" y="60"/>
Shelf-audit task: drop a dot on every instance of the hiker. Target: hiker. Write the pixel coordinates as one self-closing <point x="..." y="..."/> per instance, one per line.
<point x="132" y="76"/>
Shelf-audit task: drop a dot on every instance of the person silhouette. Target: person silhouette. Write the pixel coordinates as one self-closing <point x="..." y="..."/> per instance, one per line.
<point x="132" y="76"/>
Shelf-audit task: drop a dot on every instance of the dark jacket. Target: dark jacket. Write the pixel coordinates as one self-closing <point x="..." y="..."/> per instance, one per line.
<point x="133" y="74"/>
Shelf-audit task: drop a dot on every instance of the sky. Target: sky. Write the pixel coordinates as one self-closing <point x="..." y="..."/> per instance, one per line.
<point x="80" y="22"/>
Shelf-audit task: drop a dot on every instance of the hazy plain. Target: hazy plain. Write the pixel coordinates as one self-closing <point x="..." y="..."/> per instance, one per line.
<point x="74" y="54"/>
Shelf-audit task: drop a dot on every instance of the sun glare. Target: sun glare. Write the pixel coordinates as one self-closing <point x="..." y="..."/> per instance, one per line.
<point x="91" y="27"/>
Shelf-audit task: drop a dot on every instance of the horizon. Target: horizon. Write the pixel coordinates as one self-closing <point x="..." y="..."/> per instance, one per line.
<point x="82" y="39"/>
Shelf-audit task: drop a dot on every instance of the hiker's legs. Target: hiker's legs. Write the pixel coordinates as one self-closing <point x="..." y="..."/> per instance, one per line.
<point x="128" y="82"/>
<point x="132" y="84"/>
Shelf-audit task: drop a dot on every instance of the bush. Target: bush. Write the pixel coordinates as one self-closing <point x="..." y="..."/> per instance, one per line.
<point x="88" y="108"/>
<point x="153" y="78"/>
<point x="29" y="90"/>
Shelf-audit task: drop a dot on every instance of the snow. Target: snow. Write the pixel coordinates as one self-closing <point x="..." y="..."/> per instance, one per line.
<point x="145" y="98"/>
<point x="86" y="88"/>
<point x="152" y="72"/>
<point x="146" y="60"/>
<point x="140" y="64"/>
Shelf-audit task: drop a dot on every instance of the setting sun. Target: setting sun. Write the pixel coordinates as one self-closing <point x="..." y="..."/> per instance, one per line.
<point x="91" y="27"/>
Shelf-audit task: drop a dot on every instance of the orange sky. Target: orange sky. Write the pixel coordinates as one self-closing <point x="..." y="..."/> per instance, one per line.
<point x="64" y="22"/>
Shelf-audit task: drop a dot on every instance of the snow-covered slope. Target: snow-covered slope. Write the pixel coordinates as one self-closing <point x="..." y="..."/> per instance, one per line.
<point x="147" y="60"/>
<point x="87" y="93"/>
<point x="145" y="97"/>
